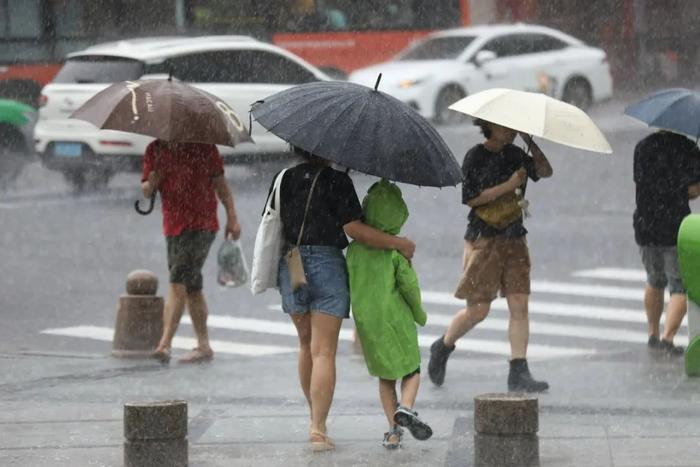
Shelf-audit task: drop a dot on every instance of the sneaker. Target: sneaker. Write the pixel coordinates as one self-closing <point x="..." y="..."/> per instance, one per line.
<point x="520" y="379"/>
<point x="409" y="419"/>
<point x="439" y="353"/>
<point x="653" y="342"/>
<point x="392" y="438"/>
<point x="669" y="349"/>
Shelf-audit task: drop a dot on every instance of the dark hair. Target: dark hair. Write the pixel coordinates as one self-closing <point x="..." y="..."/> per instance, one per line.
<point x="308" y="156"/>
<point x="485" y="127"/>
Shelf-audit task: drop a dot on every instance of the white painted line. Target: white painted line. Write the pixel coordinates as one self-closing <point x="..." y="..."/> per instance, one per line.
<point x="227" y="347"/>
<point x="498" y="347"/>
<point x="620" y="274"/>
<point x="571" y="310"/>
<point x="588" y="290"/>
<point x="565" y="330"/>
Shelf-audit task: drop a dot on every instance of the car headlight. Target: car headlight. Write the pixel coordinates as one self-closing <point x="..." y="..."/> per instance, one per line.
<point x="409" y="83"/>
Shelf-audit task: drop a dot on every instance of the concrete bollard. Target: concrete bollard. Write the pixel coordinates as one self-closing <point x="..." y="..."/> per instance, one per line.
<point x="139" y="317"/>
<point x="506" y="430"/>
<point x="155" y="434"/>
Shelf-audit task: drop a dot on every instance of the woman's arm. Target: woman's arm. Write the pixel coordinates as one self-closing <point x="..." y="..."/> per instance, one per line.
<point x="374" y="238"/>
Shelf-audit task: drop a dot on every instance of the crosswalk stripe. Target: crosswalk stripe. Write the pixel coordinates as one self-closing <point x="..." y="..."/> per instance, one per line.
<point x="621" y="274"/>
<point x="227" y="347"/>
<point x="588" y="290"/>
<point x="551" y="329"/>
<point x="564" y="330"/>
<point x="572" y="310"/>
<point x="473" y="345"/>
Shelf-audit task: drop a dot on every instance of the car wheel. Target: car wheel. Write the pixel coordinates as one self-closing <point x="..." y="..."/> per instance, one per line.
<point x="446" y="97"/>
<point x="578" y="92"/>
<point x="13" y="155"/>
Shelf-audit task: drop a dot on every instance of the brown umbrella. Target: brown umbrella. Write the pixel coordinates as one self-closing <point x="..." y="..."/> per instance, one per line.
<point x="164" y="109"/>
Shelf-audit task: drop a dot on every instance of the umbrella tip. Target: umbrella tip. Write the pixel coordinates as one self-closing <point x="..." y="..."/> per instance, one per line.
<point x="379" y="78"/>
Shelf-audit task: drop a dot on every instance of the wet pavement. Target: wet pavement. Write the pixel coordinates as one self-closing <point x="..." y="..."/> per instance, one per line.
<point x="65" y="259"/>
<point x="59" y="409"/>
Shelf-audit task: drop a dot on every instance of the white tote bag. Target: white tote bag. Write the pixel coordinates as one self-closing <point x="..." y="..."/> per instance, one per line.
<point x="268" y="243"/>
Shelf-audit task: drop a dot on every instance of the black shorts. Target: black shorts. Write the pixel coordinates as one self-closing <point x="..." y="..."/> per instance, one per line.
<point x="186" y="255"/>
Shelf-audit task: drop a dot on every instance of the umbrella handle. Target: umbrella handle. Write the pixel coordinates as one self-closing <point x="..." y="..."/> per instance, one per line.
<point x="147" y="211"/>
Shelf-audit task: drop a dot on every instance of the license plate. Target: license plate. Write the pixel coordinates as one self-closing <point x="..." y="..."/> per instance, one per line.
<point x="68" y="149"/>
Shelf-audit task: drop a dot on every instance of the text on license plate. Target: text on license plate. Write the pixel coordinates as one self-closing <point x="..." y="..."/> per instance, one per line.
<point x="68" y="149"/>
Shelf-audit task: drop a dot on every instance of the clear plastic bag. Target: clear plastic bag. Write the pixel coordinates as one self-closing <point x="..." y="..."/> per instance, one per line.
<point x="233" y="268"/>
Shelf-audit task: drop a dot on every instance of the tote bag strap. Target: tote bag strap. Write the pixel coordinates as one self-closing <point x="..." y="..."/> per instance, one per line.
<point x="308" y="203"/>
<point x="275" y="193"/>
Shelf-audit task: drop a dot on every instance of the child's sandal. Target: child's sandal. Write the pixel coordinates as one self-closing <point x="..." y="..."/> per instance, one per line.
<point x="392" y="438"/>
<point x="408" y="418"/>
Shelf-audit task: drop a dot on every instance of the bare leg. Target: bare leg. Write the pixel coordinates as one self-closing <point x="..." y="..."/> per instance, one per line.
<point x="197" y="306"/>
<point x="409" y="390"/>
<point x="324" y="344"/>
<point x="518" y="325"/>
<point x="675" y="311"/>
<point x="654" y="306"/>
<point x="464" y="321"/>
<point x="172" y="313"/>
<point x="387" y="394"/>
<point x="303" y="325"/>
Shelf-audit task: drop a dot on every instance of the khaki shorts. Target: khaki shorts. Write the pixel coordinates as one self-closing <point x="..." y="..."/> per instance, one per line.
<point x="186" y="255"/>
<point x="491" y="264"/>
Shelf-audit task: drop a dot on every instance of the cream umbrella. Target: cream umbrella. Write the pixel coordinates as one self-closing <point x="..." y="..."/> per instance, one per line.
<point x="536" y="115"/>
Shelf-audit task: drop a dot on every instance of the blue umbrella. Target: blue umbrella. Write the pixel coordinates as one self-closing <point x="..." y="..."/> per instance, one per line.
<point x="362" y="129"/>
<point x="676" y="110"/>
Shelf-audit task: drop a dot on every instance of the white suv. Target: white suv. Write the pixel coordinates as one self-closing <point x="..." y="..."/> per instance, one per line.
<point x="238" y="69"/>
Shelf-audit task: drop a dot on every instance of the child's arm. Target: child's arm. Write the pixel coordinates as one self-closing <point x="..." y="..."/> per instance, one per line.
<point x="407" y="282"/>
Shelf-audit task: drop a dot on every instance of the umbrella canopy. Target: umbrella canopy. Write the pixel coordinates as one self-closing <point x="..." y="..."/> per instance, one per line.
<point x="164" y="109"/>
<point x="360" y="128"/>
<point x="676" y="110"/>
<point x="537" y="115"/>
<point x="14" y="113"/>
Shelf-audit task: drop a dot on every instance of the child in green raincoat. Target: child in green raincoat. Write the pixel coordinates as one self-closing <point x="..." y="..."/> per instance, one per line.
<point x="386" y="305"/>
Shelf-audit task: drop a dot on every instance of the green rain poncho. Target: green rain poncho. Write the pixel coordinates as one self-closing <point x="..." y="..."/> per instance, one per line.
<point x="384" y="291"/>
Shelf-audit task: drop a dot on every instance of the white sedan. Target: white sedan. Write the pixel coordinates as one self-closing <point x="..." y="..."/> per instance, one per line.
<point x="446" y="66"/>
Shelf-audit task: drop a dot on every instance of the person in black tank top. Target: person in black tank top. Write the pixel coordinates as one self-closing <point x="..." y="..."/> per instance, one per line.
<point x="334" y="213"/>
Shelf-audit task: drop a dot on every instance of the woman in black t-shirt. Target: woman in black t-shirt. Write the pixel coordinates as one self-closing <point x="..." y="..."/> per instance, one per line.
<point x="318" y="310"/>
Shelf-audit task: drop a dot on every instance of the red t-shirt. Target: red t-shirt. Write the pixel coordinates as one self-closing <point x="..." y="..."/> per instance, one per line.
<point x="186" y="171"/>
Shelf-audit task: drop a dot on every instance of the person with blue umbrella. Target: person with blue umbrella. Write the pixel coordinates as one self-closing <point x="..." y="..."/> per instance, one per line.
<point x="666" y="177"/>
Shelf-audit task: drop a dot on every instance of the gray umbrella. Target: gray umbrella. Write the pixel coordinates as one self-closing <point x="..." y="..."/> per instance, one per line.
<point x="362" y="129"/>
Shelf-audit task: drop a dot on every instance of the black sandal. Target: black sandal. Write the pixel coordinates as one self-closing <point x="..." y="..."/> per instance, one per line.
<point x="409" y="419"/>
<point x="395" y="432"/>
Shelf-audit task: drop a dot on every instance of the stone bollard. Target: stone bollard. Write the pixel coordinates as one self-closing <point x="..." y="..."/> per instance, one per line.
<point x="155" y="434"/>
<point x="506" y="430"/>
<point x="139" y="317"/>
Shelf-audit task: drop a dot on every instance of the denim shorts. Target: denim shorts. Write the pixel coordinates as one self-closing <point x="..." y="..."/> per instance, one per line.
<point x="661" y="264"/>
<point x="328" y="291"/>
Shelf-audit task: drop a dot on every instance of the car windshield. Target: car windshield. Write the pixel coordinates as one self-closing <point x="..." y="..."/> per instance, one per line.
<point x="440" y="48"/>
<point x="99" y="69"/>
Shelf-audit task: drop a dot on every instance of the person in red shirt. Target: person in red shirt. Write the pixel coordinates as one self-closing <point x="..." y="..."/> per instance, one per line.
<point x="190" y="177"/>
